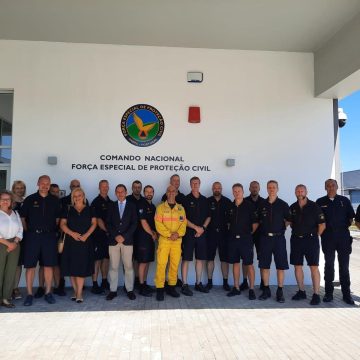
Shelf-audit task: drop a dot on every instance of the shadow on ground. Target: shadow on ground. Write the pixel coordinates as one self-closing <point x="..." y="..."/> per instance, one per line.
<point x="215" y="300"/>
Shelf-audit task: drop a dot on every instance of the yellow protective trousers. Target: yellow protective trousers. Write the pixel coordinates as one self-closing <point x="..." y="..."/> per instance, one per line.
<point x="168" y="250"/>
<point x="169" y="220"/>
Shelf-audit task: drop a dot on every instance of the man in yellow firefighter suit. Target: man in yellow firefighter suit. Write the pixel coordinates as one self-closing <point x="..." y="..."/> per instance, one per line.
<point x="170" y="223"/>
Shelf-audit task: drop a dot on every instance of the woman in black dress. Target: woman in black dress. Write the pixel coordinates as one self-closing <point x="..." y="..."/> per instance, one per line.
<point x="78" y="223"/>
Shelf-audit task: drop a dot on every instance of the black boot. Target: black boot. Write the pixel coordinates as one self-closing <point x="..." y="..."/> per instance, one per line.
<point x="170" y="290"/>
<point x="160" y="294"/>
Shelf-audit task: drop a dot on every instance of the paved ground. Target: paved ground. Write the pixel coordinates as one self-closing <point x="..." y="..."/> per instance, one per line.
<point x="206" y="326"/>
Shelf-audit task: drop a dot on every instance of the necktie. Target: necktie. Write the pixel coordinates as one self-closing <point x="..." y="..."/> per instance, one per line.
<point x="121" y="209"/>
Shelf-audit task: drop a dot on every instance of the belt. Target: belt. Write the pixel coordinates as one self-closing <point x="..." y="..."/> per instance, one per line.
<point x="304" y="235"/>
<point x="274" y="234"/>
<point x="40" y="231"/>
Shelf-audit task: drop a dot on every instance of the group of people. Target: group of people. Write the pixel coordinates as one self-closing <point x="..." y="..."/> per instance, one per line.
<point x="97" y="236"/>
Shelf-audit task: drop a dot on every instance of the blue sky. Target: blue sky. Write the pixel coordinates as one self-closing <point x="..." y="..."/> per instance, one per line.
<point x="350" y="133"/>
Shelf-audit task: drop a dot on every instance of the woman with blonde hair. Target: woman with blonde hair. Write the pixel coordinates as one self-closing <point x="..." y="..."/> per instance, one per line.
<point x="11" y="232"/>
<point x="78" y="223"/>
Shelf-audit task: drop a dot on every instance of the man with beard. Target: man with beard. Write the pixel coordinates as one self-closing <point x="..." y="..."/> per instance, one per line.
<point x="144" y="242"/>
<point x="256" y="200"/>
<point x="339" y="215"/>
<point x="216" y="234"/>
<point x="307" y="223"/>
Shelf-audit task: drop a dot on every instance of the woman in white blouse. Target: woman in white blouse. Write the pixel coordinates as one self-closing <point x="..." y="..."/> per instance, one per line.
<point x="11" y="232"/>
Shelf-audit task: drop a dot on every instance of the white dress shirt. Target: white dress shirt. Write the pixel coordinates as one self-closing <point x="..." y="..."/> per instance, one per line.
<point x="10" y="225"/>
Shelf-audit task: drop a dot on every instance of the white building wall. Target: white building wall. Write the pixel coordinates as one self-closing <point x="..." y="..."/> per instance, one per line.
<point x="256" y="107"/>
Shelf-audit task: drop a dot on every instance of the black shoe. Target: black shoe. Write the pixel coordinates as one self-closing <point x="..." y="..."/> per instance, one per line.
<point x="111" y="295"/>
<point x="234" y="291"/>
<point x="131" y="295"/>
<point x="59" y="291"/>
<point x="105" y="285"/>
<point x="348" y="299"/>
<point x="28" y="300"/>
<point x="49" y="298"/>
<point x="40" y="292"/>
<point x="97" y="290"/>
<point x="179" y="283"/>
<point x="244" y="285"/>
<point x="144" y="291"/>
<point x="301" y="294"/>
<point x="172" y="291"/>
<point x="266" y="293"/>
<point x="226" y="287"/>
<point x="252" y="295"/>
<point x="208" y="286"/>
<point x="160" y="294"/>
<point x="328" y="298"/>
<point x="315" y="300"/>
<point x="280" y="296"/>
<point x="149" y="288"/>
<point x="185" y="290"/>
<point x="201" y="288"/>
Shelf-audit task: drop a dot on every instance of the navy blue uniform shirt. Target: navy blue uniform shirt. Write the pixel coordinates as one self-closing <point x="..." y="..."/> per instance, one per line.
<point x="241" y="218"/>
<point x="197" y="209"/>
<point x="338" y="212"/>
<point x="134" y="200"/>
<point x="101" y="205"/>
<point x="305" y="220"/>
<point x="218" y="213"/>
<point x="272" y="216"/>
<point x="40" y="213"/>
<point x="146" y="211"/>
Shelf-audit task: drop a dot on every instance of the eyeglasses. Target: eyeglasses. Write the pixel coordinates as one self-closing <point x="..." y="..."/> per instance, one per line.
<point x="5" y="199"/>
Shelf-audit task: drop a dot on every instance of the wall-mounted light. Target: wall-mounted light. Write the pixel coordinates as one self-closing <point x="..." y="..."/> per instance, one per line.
<point x="195" y="77"/>
<point x="52" y="160"/>
<point x="194" y="114"/>
<point x="230" y="162"/>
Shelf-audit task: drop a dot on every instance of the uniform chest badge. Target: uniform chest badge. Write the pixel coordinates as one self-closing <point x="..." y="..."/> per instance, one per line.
<point x="141" y="211"/>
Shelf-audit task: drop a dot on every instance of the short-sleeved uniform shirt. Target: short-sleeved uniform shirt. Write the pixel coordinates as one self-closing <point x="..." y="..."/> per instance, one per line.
<point x="146" y="211"/>
<point x="100" y="207"/>
<point x="144" y="245"/>
<point x="197" y="211"/>
<point x="272" y="216"/>
<point x="240" y="244"/>
<point x="241" y="219"/>
<point x="304" y="240"/>
<point x="218" y="213"/>
<point x="217" y="228"/>
<point x="305" y="220"/>
<point x="338" y="215"/>
<point x="40" y="212"/>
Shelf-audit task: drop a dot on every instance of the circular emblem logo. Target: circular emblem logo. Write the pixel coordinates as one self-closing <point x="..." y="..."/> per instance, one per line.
<point x="142" y="125"/>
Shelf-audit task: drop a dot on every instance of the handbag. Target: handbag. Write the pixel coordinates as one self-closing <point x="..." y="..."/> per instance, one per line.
<point x="61" y="243"/>
<point x="61" y="240"/>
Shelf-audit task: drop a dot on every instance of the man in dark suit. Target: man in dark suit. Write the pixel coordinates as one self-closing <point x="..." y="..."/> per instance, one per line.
<point x="121" y="224"/>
